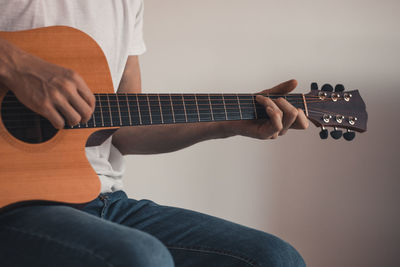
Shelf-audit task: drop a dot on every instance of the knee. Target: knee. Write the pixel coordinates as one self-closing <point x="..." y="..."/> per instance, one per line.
<point x="146" y="251"/>
<point x="276" y="252"/>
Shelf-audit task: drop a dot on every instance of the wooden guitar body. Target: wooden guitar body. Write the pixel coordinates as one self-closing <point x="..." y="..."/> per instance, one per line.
<point x="56" y="170"/>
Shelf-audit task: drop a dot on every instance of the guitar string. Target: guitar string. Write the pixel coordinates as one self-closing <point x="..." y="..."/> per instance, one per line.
<point x="177" y="111"/>
<point x="157" y="105"/>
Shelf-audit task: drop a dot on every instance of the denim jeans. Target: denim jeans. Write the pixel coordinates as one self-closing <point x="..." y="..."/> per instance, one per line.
<point x="114" y="230"/>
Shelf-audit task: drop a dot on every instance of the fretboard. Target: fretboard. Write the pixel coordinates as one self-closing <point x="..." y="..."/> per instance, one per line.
<point x="118" y="110"/>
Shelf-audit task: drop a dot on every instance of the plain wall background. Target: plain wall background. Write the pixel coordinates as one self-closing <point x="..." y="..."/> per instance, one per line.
<point x="335" y="201"/>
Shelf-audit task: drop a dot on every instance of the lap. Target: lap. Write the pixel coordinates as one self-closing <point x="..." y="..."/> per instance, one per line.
<point x="57" y="235"/>
<point x="196" y="239"/>
<point x="114" y="230"/>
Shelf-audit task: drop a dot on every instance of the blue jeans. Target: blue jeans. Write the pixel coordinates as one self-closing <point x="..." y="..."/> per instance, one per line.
<point x="114" y="230"/>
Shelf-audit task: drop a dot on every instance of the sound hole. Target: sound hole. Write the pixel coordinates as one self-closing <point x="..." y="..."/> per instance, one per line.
<point x="24" y="124"/>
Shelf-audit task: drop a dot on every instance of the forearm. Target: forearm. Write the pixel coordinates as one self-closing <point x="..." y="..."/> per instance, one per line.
<point x="157" y="139"/>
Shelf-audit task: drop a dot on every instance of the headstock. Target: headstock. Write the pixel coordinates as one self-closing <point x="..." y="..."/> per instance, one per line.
<point x="335" y="107"/>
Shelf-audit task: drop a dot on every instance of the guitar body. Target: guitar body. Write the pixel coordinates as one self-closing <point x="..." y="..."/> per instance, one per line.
<point x="57" y="169"/>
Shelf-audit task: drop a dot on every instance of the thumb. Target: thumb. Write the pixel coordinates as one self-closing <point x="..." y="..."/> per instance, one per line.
<point x="281" y="89"/>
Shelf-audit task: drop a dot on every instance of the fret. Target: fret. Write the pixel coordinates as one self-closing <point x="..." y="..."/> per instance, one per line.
<point x="98" y="106"/>
<point x="148" y="105"/>
<point x="172" y="107"/>
<point x="119" y="111"/>
<point x="159" y="104"/>
<point x="184" y="108"/>
<point x="246" y="107"/>
<point x="178" y="108"/>
<point x="134" y="109"/>
<point x="205" y="107"/>
<point x="218" y="109"/>
<point x="197" y="106"/>
<point x="129" y="109"/>
<point x="144" y="109"/>
<point x="155" y="109"/>
<point x="113" y="108"/>
<point x="191" y="108"/>
<point x="212" y="112"/>
<point x="240" y="108"/>
<point x="123" y="110"/>
<point x="138" y="107"/>
<point x="105" y="111"/>
<point x="167" y="109"/>
<point x="232" y="107"/>
<point x="305" y="104"/>
<point x="226" y="114"/>
<point x="109" y="109"/>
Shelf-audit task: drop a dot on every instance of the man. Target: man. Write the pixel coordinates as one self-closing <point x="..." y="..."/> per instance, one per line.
<point x="113" y="230"/>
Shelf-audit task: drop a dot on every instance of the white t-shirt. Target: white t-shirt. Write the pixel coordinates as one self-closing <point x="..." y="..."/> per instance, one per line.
<point x="116" y="25"/>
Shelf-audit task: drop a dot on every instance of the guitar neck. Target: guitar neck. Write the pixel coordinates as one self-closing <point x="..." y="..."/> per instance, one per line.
<point x="118" y="110"/>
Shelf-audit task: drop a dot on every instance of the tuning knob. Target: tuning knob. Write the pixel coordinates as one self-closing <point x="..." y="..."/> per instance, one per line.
<point x="336" y="134"/>
<point x="339" y="88"/>
<point x="323" y="133"/>
<point x="349" y="135"/>
<point x="327" y="88"/>
<point x="314" y="86"/>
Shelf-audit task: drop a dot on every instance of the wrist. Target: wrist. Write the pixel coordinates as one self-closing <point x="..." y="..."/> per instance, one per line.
<point x="228" y="128"/>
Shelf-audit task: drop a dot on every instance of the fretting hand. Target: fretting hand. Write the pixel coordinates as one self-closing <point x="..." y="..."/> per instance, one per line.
<point x="282" y="116"/>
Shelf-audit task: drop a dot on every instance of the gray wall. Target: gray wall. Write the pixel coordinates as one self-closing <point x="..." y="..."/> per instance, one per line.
<point x="335" y="201"/>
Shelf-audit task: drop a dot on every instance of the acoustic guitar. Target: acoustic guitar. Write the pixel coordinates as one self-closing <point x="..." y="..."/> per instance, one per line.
<point x="39" y="162"/>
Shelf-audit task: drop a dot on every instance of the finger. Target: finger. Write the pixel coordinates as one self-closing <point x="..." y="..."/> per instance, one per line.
<point x="289" y="114"/>
<point x="281" y="89"/>
<point x="81" y="106"/>
<point x="266" y="102"/>
<point x="274" y="125"/>
<point x="85" y="92"/>
<point x="301" y="121"/>
<point x="70" y="114"/>
<point x="54" y="117"/>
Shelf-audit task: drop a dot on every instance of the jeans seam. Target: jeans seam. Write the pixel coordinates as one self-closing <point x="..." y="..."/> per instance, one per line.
<point x="60" y="243"/>
<point x="103" y="210"/>
<point x="246" y="260"/>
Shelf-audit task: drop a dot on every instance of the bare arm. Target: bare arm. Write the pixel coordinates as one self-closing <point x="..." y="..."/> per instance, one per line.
<point x="157" y="138"/>
<point x="167" y="138"/>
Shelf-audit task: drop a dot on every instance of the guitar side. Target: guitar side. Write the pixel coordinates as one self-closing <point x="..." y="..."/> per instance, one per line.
<point x="56" y="170"/>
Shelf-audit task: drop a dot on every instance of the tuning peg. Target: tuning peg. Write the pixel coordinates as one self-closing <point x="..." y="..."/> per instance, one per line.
<point x="339" y="88"/>
<point x="314" y="86"/>
<point x="349" y="135"/>
<point x="336" y="134"/>
<point x="327" y="87"/>
<point x="323" y="133"/>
